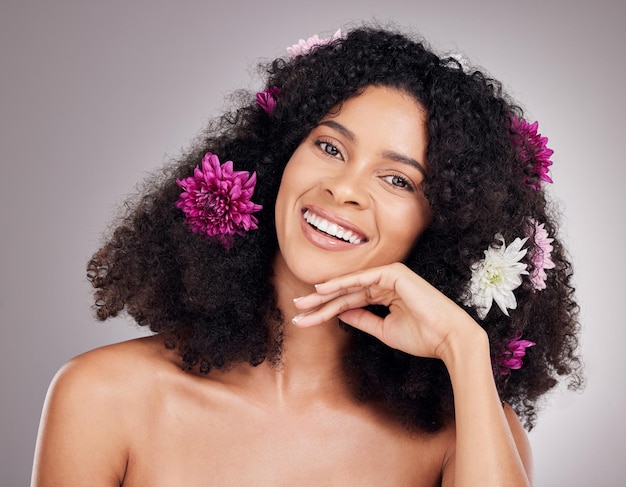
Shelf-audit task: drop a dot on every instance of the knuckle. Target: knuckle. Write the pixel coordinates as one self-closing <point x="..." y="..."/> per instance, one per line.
<point x="345" y="306"/>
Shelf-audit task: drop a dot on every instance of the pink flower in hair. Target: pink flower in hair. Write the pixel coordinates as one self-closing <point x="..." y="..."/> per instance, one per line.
<point x="532" y="147"/>
<point x="216" y="200"/>
<point x="303" y="47"/>
<point x="540" y="254"/>
<point x="266" y="99"/>
<point x="511" y="357"/>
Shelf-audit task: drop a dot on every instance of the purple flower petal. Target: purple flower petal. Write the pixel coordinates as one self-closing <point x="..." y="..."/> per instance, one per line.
<point x="531" y="146"/>
<point x="266" y="99"/>
<point x="511" y="357"/>
<point x="214" y="200"/>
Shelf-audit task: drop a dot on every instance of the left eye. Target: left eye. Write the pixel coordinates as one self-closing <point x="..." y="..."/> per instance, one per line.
<point x="398" y="181"/>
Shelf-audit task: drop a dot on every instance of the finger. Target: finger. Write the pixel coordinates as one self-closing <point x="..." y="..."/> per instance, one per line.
<point x="364" y="320"/>
<point x="350" y="281"/>
<point x="316" y="299"/>
<point x="387" y="331"/>
<point x="331" y="309"/>
<point x="385" y="276"/>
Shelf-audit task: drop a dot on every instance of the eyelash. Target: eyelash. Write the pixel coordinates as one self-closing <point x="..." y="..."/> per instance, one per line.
<point x="406" y="184"/>
<point x="321" y="143"/>
<point x="325" y="144"/>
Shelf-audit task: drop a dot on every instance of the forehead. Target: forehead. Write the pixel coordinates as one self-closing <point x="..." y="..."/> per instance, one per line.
<point x="382" y="98"/>
<point x="382" y="119"/>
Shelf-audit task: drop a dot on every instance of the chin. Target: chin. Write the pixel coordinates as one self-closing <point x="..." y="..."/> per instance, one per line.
<point x="310" y="271"/>
<point x="317" y="274"/>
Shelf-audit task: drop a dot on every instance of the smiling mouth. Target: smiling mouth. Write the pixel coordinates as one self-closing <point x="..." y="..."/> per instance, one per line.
<point x="331" y="229"/>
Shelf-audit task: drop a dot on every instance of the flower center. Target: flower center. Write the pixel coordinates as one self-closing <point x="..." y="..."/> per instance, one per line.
<point x="493" y="275"/>
<point x="216" y="205"/>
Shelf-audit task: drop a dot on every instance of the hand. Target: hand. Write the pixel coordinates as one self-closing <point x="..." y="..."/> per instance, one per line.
<point x="421" y="320"/>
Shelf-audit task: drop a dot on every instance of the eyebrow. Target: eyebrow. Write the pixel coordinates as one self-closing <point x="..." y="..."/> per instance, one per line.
<point x="394" y="156"/>
<point x="405" y="160"/>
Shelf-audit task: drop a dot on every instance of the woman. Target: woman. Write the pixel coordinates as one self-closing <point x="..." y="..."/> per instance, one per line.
<point x="320" y="271"/>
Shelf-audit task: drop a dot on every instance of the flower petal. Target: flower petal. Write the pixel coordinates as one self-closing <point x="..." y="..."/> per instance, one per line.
<point x="495" y="277"/>
<point x="215" y="202"/>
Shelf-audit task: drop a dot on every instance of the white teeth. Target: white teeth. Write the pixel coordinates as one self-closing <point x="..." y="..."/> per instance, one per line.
<point x="330" y="228"/>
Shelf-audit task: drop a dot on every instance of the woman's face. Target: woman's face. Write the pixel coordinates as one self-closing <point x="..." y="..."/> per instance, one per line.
<point x="350" y="195"/>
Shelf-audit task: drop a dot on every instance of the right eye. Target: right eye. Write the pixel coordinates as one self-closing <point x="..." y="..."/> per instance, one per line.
<point x="329" y="148"/>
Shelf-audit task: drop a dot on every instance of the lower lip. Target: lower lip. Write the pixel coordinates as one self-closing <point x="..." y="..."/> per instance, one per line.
<point x="322" y="240"/>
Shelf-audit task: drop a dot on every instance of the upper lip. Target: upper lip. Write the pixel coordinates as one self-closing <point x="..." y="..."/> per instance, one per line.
<point x="339" y="220"/>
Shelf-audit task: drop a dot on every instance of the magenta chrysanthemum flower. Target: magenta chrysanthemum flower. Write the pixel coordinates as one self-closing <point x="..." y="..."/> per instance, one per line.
<point x="216" y="200"/>
<point x="304" y="46"/>
<point x="511" y="357"/>
<point x="266" y="99"/>
<point x="540" y="255"/>
<point x="532" y="147"/>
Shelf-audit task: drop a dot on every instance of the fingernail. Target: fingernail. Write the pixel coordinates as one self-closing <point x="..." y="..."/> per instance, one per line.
<point x="295" y="319"/>
<point x="295" y="300"/>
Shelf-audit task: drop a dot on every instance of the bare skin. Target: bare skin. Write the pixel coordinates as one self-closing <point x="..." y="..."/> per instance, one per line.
<point x="490" y="448"/>
<point x="128" y="415"/>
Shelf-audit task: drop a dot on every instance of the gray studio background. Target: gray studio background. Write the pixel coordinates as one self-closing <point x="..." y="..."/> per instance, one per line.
<point x="94" y="95"/>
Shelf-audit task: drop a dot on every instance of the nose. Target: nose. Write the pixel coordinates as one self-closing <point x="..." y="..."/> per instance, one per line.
<point x="348" y="186"/>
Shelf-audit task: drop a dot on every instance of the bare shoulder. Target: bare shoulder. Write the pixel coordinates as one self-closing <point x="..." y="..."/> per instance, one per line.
<point x="92" y="402"/>
<point x="112" y="382"/>
<point x="132" y="358"/>
<point x="518" y="434"/>
<point x="521" y="438"/>
<point x="111" y="373"/>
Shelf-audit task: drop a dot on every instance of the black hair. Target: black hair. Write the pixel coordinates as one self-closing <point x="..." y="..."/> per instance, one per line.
<point x="217" y="307"/>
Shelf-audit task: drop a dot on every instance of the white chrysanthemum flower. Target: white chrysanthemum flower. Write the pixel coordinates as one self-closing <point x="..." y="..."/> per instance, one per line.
<point x="496" y="276"/>
<point x="461" y="59"/>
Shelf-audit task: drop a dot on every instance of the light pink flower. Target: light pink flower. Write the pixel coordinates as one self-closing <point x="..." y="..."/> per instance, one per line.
<point x="303" y="47"/>
<point x="511" y="357"/>
<point x="216" y="200"/>
<point x="532" y="147"/>
<point x="540" y="255"/>
<point x="266" y="99"/>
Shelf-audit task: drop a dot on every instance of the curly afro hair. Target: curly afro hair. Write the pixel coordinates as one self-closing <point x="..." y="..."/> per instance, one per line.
<point x="217" y="307"/>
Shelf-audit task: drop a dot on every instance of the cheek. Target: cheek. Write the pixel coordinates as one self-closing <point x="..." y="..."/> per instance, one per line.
<point x="300" y="176"/>
<point x="403" y="226"/>
<point x="292" y="172"/>
<point x="288" y="192"/>
<point x="283" y="193"/>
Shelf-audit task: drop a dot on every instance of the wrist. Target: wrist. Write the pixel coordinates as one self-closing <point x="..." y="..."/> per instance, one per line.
<point x="467" y="343"/>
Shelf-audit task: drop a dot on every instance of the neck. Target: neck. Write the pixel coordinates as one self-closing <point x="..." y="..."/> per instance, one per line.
<point x="311" y="362"/>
